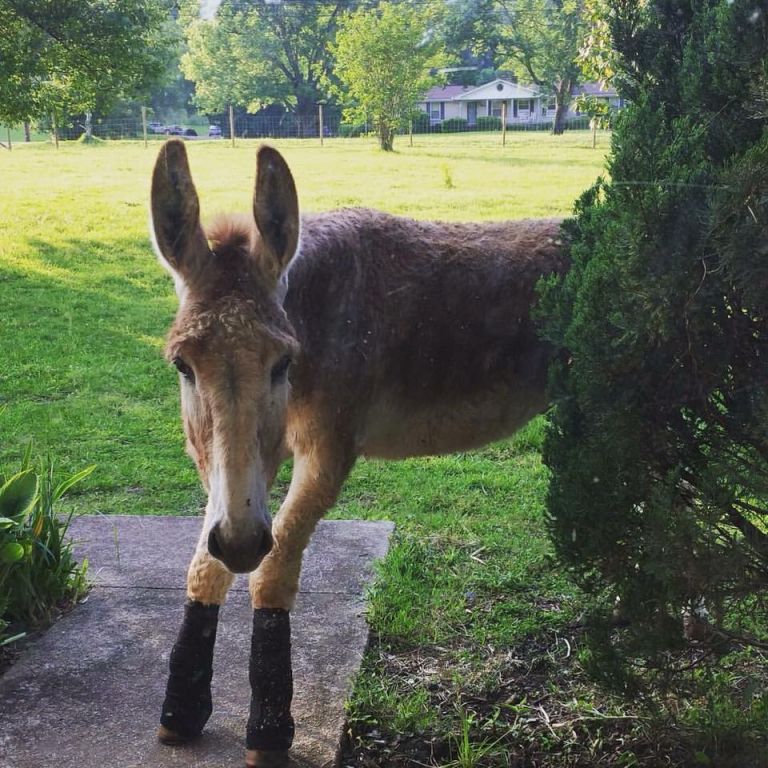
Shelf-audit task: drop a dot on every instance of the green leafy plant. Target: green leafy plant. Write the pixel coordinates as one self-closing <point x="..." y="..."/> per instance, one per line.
<point x="38" y="572"/>
<point x="466" y="750"/>
<point x="420" y="122"/>
<point x="454" y="125"/>
<point x="598" y="112"/>
<point x="488" y="123"/>
<point x="351" y="130"/>
<point x="447" y="176"/>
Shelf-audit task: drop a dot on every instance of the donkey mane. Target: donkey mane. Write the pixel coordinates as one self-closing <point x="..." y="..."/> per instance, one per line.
<point x="528" y="239"/>
<point x="231" y="232"/>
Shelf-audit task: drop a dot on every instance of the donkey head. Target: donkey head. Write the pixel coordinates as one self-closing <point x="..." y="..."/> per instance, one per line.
<point x="231" y="343"/>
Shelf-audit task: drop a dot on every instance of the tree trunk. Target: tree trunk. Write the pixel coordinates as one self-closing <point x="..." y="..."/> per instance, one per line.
<point x="306" y="125"/>
<point x="27" y="132"/>
<point x="306" y="117"/>
<point x="88" y="127"/>
<point x="562" y="100"/>
<point x="386" y="138"/>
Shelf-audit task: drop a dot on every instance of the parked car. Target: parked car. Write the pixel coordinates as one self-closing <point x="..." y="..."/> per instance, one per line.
<point x="156" y="128"/>
<point x="214" y="132"/>
<point x="174" y="130"/>
<point x="190" y="132"/>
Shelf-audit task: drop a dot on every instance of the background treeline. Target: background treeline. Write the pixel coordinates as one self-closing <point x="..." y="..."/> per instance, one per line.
<point x="68" y="65"/>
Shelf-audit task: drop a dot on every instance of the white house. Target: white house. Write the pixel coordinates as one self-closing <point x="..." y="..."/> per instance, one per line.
<point x="471" y="102"/>
<point x="523" y="103"/>
<point x="609" y="95"/>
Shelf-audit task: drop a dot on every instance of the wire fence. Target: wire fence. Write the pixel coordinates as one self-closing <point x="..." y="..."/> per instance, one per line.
<point x="270" y="127"/>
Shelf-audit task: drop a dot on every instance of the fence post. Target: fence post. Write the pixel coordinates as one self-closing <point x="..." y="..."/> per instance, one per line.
<point x="320" y="118"/>
<point x="504" y="123"/>
<point x="144" y="124"/>
<point x="410" y="132"/>
<point x="55" y="130"/>
<point x="232" y="124"/>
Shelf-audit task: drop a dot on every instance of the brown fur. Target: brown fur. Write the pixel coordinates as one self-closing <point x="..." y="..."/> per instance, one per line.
<point x="407" y="338"/>
<point x="416" y="337"/>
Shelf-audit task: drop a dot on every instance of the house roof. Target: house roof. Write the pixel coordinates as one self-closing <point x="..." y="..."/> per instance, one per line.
<point x="505" y="89"/>
<point x="496" y="89"/>
<point x="594" y="89"/>
<point x="445" y="92"/>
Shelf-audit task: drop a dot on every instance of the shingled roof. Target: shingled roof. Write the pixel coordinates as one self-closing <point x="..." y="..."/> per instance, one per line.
<point x="446" y="92"/>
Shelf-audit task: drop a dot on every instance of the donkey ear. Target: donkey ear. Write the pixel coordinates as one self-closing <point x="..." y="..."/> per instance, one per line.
<point x="180" y="239"/>
<point x="276" y="209"/>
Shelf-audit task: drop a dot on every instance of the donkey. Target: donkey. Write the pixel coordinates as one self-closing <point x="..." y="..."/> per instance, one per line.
<point x="324" y="338"/>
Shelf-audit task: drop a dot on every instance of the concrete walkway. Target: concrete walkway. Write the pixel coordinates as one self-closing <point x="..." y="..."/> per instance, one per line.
<point x="88" y="693"/>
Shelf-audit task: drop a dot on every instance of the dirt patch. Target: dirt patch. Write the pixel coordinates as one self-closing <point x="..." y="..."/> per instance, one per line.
<point x="529" y="706"/>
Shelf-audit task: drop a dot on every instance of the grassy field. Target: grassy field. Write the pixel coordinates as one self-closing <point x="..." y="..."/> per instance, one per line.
<point x="475" y="654"/>
<point x="85" y="305"/>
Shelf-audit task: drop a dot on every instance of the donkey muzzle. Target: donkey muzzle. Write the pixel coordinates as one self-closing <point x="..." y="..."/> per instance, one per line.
<point x="241" y="553"/>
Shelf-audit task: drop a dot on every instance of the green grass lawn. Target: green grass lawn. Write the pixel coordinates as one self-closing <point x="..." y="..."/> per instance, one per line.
<point x="475" y="652"/>
<point x="85" y="306"/>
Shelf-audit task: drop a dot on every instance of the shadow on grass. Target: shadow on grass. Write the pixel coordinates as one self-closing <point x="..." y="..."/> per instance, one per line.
<point x="83" y="373"/>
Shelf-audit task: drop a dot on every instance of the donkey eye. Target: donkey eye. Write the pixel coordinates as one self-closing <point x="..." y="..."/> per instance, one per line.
<point x="280" y="369"/>
<point x="184" y="370"/>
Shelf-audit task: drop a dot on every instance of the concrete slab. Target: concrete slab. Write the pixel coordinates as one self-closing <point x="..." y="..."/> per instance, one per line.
<point x="88" y="693"/>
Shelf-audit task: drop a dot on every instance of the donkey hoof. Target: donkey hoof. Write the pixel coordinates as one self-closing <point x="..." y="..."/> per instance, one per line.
<point x="267" y="758"/>
<point x="173" y="738"/>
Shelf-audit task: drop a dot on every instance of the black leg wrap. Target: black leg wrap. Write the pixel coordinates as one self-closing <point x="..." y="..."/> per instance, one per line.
<point x="270" y="725"/>
<point x="188" y="703"/>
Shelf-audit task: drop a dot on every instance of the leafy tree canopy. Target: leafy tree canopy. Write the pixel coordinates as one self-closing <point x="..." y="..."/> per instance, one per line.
<point x="384" y="59"/>
<point x="71" y="55"/>
<point x="542" y="39"/>
<point x="253" y="53"/>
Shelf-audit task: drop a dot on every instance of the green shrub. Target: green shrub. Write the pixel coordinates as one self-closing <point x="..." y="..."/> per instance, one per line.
<point x="454" y="125"/>
<point x="488" y="123"/>
<point x="38" y="572"/>
<point x="351" y="131"/>
<point x="658" y="443"/>
<point x="420" y="122"/>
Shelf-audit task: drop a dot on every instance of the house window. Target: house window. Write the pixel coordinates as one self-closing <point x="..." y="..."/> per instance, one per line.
<point x="524" y="105"/>
<point x="496" y="108"/>
<point x="548" y="107"/>
<point x="436" y="110"/>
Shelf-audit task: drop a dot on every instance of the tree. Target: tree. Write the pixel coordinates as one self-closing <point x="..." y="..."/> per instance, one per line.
<point x="542" y="39"/>
<point x="597" y="110"/>
<point x="598" y="58"/>
<point x="469" y="33"/>
<point x="77" y="54"/>
<point x="254" y="53"/>
<point x="383" y="61"/>
<point x="658" y="443"/>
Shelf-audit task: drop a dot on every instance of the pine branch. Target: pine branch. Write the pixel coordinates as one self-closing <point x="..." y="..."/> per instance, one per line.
<point x="756" y="538"/>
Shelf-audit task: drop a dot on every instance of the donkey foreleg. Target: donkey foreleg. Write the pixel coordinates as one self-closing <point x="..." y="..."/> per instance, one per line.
<point x="188" y="704"/>
<point x="316" y="481"/>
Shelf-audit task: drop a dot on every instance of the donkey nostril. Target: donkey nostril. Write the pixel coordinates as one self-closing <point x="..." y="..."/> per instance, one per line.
<point x="213" y="543"/>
